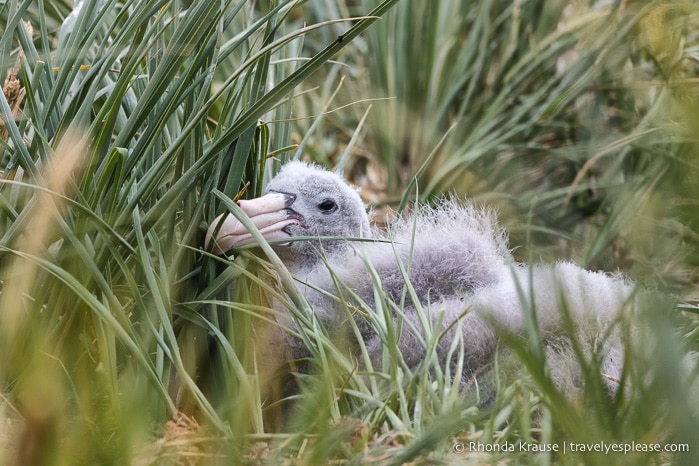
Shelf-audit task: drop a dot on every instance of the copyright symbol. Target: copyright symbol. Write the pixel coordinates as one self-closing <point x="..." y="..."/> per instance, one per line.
<point x="458" y="447"/>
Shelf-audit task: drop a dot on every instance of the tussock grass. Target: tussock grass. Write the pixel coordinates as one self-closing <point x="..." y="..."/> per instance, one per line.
<point x="128" y="126"/>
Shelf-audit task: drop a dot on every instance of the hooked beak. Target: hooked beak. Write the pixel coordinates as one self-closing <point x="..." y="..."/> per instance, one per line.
<point x="270" y="213"/>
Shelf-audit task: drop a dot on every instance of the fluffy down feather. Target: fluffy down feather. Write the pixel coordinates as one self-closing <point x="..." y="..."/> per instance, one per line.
<point x="459" y="266"/>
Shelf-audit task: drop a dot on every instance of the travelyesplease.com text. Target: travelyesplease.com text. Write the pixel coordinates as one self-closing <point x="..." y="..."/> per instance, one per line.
<point x="573" y="447"/>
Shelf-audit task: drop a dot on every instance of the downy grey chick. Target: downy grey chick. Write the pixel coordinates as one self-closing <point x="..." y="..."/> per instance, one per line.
<point x="458" y="263"/>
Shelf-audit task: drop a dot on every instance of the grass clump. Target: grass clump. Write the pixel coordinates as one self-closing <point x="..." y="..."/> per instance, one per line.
<point x="128" y="126"/>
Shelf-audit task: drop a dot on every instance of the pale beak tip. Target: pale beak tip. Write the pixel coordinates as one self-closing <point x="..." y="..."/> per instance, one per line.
<point x="222" y="241"/>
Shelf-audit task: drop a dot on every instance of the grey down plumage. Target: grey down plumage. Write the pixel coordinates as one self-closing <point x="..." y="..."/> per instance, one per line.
<point x="457" y="259"/>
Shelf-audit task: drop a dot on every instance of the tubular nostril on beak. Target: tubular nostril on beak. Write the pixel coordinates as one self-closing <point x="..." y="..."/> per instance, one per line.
<point x="290" y="199"/>
<point x="287" y="197"/>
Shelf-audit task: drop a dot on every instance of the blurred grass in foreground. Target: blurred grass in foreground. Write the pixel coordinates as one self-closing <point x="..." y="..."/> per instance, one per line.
<point x="122" y="344"/>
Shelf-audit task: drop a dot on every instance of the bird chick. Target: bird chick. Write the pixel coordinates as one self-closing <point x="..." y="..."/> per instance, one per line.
<point x="449" y="265"/>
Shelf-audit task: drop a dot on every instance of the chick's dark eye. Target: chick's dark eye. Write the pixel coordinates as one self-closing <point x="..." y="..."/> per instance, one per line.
<point x="327" y="206"/>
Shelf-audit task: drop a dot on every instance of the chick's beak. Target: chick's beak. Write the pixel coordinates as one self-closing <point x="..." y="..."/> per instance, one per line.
<point x="271" y="214"/>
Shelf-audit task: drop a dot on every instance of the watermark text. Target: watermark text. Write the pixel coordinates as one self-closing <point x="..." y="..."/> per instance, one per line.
<point x="572" y="447"/>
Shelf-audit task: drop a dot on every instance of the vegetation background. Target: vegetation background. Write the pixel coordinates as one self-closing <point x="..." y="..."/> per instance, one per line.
<point x="127" y="126"/>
